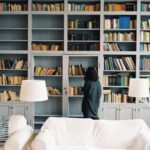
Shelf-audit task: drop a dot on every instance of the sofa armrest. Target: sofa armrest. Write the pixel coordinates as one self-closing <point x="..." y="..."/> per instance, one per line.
<point x="142" y="141"/>
<point x="16" y="122"/>
<point x="43" y="141"/>
<point x="19" y="139"/>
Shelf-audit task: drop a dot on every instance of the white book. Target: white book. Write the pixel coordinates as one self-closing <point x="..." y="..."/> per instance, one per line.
<point x="122" y="64"/>
<point x="142" y="36"/>
<point x="118" y="62"/>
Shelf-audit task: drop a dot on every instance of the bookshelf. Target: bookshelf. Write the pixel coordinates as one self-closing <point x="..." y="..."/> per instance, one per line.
<point x="47" y="32"/>
<point x="13" y="49"/>
<point x="48" y="68"/>
<point x="116" y="103"/>
<point x="111" y="35"/>
<point x="14" y="57"/>
<point x="14" y="32"/>
<point x="77" y="66"/>
<point x="144" y="67"/>
<point x="83" y="33"/>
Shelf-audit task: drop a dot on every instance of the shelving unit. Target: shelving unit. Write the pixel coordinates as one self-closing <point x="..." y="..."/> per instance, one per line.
<point x="13" y="32"/>
<point x="48" y="68"/>
<point x="47" y="32"/>
<point x="77" y="66"/>
<point x="101" y="33"/>
<point x="144" y="68"/>
<point x="13" y="48"/>
<point x="83" y="32"/>
<point x="14" y="57"/>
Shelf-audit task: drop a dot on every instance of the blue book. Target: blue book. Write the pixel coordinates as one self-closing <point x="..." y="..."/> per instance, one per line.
<point x="141" y="47"/>
<point x="127" y="22"/>
<point x="121" y="18"/>
<point x="124" y="22"/>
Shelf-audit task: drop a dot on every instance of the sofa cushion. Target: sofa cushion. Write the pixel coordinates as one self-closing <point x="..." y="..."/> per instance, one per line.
<point x="85" y="148"/>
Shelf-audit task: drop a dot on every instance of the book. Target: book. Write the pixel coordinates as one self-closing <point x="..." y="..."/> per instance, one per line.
<point x="119" y="6"/>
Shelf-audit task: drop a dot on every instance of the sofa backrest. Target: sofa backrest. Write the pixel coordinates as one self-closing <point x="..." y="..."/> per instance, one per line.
<point x="118" y="133"/>
<point x="99" y="133"/>
<point x="70" y="131"/>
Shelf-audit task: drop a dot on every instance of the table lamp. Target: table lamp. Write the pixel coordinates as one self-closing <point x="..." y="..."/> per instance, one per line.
<point x="33" y="91"/>
<point x="138" y="88"/>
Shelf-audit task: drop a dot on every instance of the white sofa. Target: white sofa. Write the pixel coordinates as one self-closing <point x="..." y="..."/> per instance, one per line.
<point x="19" y="134"/>
<point x="87" y="134"/>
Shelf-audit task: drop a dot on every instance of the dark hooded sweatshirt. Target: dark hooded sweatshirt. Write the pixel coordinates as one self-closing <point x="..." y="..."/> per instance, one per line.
<point x="91" y="99"/>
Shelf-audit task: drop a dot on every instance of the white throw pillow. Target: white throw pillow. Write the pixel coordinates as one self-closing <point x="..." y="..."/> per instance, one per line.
<point x="16" y="122"/>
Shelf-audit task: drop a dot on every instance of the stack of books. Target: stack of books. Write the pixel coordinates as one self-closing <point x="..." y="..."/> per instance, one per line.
<point x="53" y="91"/>
<point x="11" y="80"/>
<point x="73" y="90"/>
<point x="41" y="70"/>
<point x="76" y="70"/>
<point x="8" y="95"/>
<point x="13" y="64"/>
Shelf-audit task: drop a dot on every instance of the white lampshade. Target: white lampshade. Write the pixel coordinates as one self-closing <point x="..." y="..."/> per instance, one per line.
<point x="33" y="90"/>
<point x="138" y="87"/>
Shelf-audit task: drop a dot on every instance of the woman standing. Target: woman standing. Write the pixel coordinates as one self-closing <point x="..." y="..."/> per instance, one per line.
<point x="92" y="94"/>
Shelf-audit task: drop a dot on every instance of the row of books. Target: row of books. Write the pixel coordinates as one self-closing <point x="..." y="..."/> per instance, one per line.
<point x="48" y="6"/>
<point x="47" y="47"/>
<point x="121" y="22"/>
<point x="145" y="24"/>
<point x="11" y="80"/>
<point x="116" y="96"/>
<point x="119" y="63"/>
<point x="120" y="36"/>
<point x="145" y="36"/>
<point x="73" y="90"/>
<point x="94" y="46"/>
<point x="111" y="47"/>
<point x="83" y="36"/>
<point x="53" y="91"/>
<point x="145" y="6"/>
<point x="79" y="23"/>
<point x="76" y="70"/>
<point x="83" y="7"/>
<point x="13" y="64"/>
<point x="43" y="70"/>
<point x="8" y="95"/>
<point x="127" y="6"/>
<point x="145" y="47"/>
<point x="121" y="79"/>
<point x="145" y="63"/>
<point x="13" y="6"/>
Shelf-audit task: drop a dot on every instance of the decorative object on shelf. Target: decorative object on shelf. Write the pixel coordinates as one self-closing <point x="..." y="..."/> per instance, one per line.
<point x="53" y="91"/>
<point x="139" y="88"/>
<point x="33" y="90"/>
